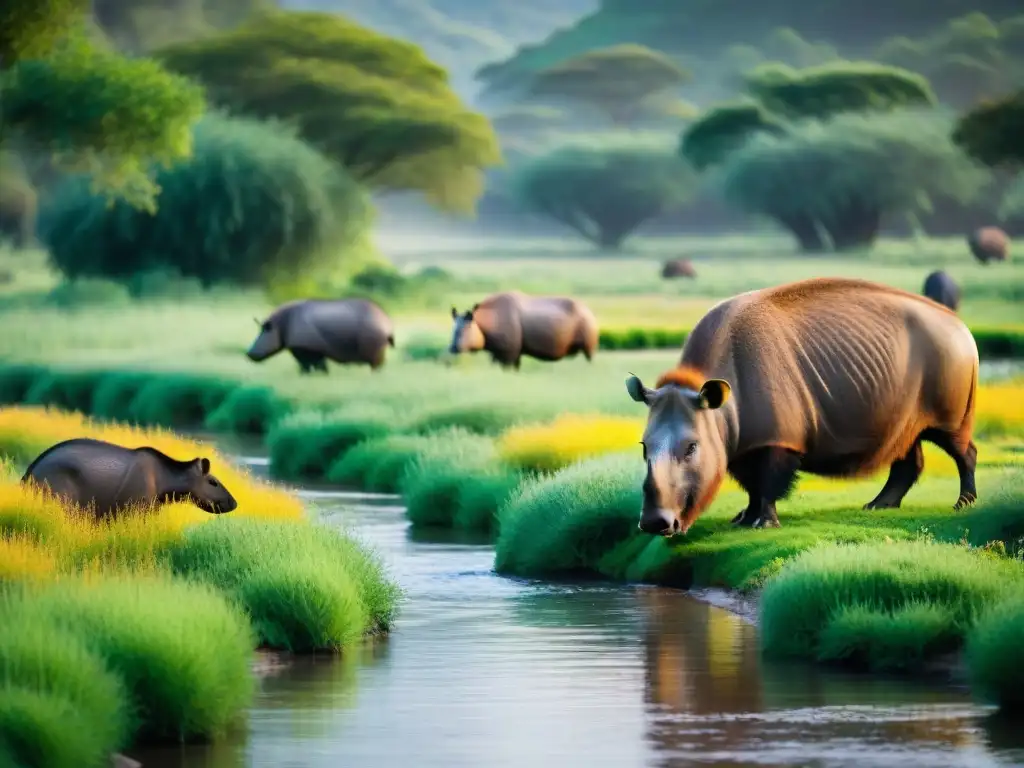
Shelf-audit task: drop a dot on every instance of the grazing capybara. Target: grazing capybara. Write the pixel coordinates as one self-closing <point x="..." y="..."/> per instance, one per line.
<point x="107" y="478"/>
<point x="989" y="244"/>
<point x="678" y="268"/>
<point x="831" y="376"/>
<point x="317" y="330"/>
<point x="940" y="287"/>
<point x="512" y="324"/>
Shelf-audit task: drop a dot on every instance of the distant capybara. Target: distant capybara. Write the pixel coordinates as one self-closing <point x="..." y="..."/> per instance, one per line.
<point x="989" y="244"/>
<point x="512" y="324"/>
<point x="678" y="268"/>
<point x="108" y="478"/>
<point x="835" y="377"/>
<point x="317" y="330"/>
<point x="940" y="287"/>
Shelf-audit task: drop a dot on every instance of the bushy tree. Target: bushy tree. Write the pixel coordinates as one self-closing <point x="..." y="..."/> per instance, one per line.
<point x="843" y="86"/>
<point x="377" y="105"/>
<point x="142" y="25"/>
<point x="967" y="60"/>
<point x="91" y="109"/>
<point x="616" y="81"/>
<point x="253" y="205"/>
<point x="603" y="190"/>
<point x="843" y="175"/>
<point x="993" y="132"/>
<point x="723" y="129"/>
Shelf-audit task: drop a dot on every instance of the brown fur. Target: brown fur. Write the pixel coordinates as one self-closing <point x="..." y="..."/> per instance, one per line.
<point x="989" y="244"/>
<point x="512" y="324"/>
<point x="678" y="268"/>
<point x="685" y="376"/>
<point x="836" y="377"/>
<point x="837" y="368"/>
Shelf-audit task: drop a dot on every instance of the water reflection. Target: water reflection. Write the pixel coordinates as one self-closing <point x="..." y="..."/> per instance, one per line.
<point x="487" y="672"/>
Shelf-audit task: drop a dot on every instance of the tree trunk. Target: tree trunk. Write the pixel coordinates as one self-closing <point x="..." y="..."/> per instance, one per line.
<point x="855" y="227"/>
<point x="804" y="230"/>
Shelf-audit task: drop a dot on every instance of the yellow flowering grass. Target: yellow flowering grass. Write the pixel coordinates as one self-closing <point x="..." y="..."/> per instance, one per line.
<point x="39" y="535"/>
<point x="570" y="438"/>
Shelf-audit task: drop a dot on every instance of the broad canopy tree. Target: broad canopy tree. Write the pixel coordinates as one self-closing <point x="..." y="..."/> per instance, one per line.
<point x="723" y="129"/>
<point x="91" y="109"/>
<point x="829" y="89"/>
<point x="843" y="175"/>
<point x="603" y="190"/>
<point x="377" y="105"/>
<point x="621" y="82"/>
<point x="993" y="132"/>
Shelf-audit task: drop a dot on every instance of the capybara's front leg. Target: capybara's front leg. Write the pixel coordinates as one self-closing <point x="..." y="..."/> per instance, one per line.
<point x="767" y="475"/>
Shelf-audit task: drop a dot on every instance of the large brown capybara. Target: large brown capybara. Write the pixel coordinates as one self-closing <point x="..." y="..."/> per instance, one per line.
<point x="678" y="268"/>
<point x="940" y="287"/>
<point x="317" y="330"/>
<point x="835" y="377"/>
<point x="512" y="324"/>
<point x="108" y="478"/>
<point x="989" y="244"/>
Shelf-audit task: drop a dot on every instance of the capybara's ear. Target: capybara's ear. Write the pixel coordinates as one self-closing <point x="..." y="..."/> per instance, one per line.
<point x="636" y="388"/>
<point x="714" y="393"/>
<point x="455" y="313"/>
<point x="204" y="465"/>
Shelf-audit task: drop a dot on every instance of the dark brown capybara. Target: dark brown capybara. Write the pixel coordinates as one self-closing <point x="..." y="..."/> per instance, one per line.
<point x="512" y="324"/>
<point x="940" y="287"/>
<point x="989" y="244"/>
<point x="678" y="268"/>
<point x="835" y="377"/>
<point x="317" y="330"/>
<point x="108" y="478"/>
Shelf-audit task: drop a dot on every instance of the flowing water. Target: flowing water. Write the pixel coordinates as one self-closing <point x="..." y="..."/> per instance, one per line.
<point x="488" y="672"/>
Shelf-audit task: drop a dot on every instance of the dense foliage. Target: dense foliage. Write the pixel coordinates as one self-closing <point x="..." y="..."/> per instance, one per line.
<point x="817" y="92"/>
<point x="614" y="81"/>
<point x="91" y="109"/>
<point x="253" y="205"/>
<point x="994" y="131"/>
<point x="377" y="105"/>
<point x="844" y="175"/>
<point x="603" y="190"/>
<point x="723" y="129"/>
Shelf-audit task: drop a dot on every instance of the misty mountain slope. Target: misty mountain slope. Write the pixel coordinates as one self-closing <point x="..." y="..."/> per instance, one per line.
<point x="715" y="37"/>
<point x="461" y="35"/>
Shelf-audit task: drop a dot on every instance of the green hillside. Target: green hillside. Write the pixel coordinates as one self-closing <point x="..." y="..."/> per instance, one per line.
<point x="958" y="43"/>
<point x="460" y="35"/>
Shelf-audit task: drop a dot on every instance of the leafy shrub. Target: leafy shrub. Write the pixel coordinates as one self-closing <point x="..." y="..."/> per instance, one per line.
<point x="253" y="204"/>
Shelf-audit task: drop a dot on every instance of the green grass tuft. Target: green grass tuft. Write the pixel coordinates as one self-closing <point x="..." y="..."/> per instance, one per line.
<point x="563" y="524"/>
<point x="993" y="654"/>
<point x="60" y="706"/>
<point x="305" y="587"/>
<point x="873" y="602"/>
<point x="248" y="411"/>
<point x="181" y="651"/>
<point x="303" y="446"/>
<point x="70" y="390"/>
<point x="17" y="380"/>
<point x="178" y="400"/>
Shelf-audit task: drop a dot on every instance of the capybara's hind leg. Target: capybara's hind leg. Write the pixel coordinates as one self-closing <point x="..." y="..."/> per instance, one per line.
<point x="966" y="459"/>
<point x="902" y="475"/>
<point x="767" y="475"/>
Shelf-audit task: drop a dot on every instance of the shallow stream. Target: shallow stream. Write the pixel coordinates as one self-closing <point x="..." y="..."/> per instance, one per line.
<point x="487" y="672"/>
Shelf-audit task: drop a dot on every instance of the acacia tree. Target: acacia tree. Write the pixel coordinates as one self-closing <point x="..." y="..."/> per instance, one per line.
<point x="377" y="105"/>
<point x="993" y="132"/>
<point x="835" y="87"/>
<point x="89" y="108"/>
<point x="617" y="81"/>
<point x="603" y="191"/>
<point x="847" y="173"/>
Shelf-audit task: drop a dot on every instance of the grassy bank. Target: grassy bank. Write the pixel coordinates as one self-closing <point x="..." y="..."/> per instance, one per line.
<point x="142" y="628"/>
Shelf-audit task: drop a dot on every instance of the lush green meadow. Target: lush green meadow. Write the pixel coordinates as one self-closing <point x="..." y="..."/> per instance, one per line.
<point x="545" y="461"/>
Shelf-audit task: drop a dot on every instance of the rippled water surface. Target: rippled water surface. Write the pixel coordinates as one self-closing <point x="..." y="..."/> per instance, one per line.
<point x="489" y="672"/>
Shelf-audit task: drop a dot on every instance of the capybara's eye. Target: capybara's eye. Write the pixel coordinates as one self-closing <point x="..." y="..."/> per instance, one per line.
<point x="688" y="450"/>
